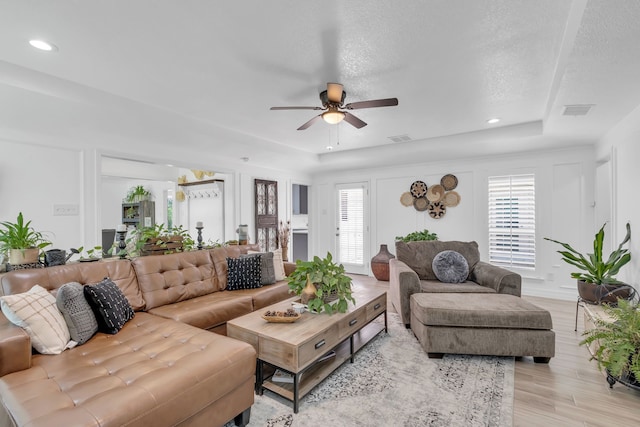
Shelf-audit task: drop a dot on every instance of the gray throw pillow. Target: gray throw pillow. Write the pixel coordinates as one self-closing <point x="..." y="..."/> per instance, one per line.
<point x="450" y="267"/>
<point x="267" y="272"/>
<point x="77" y="312"/>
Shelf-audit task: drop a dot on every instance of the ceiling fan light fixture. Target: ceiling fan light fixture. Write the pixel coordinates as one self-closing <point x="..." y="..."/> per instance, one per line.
<point x="333" y="117"/>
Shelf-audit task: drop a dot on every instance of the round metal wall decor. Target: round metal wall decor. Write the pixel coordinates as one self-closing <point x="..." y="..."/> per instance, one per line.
<point x="420" y="203"/>
<point x="406" y="199"/>
<point x="437" y="210"/>
<point x="449" y="182"/>
<point x="418" y="189"/>
<point x="435" y="193"/>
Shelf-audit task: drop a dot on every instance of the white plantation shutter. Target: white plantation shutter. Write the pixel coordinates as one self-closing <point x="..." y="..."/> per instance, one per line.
<point x="351" y="223"/>
<point x="512" y="221"/>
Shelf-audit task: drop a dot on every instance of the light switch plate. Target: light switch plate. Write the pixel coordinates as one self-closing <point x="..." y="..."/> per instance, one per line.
<point x="66" y="210"/>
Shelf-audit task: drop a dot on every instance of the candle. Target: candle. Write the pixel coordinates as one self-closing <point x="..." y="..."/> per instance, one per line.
<point x="199" y="224"/>
<point x="121" y="228"/>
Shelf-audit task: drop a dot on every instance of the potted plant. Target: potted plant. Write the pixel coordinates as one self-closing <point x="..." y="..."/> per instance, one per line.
<point x="417" y="236"/>
<point x="90" y="254"/>
<point x="21" y="242"/>
<point x="618" y="343"/>
<point x="158" y="240"/>
<point x="329" y="280"/>
<point x="137" y="194"/>
<point x="597" y="282"/>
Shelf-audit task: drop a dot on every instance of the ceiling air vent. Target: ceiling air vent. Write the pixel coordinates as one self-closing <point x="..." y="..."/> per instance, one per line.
<point x="577" y="110"/>
<point x="400" y="138"/>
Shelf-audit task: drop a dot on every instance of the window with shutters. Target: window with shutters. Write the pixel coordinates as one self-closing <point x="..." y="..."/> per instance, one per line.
<point x="512" y="221"/>
<point x="351" y="225"/>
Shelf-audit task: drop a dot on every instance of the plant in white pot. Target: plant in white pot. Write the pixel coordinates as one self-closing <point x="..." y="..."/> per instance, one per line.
<point x="597" y="279"/>
<point x="21" y="242"/>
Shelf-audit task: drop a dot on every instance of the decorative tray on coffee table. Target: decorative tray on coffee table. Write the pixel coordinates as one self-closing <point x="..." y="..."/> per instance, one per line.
<point x="288" y="316"/>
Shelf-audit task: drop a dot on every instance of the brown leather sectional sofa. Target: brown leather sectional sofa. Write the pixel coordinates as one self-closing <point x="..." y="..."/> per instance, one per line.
<point x="164" y="368"/>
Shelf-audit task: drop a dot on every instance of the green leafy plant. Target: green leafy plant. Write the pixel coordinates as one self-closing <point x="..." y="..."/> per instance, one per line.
<point x="137" y="193"/>
<point x="328" y="277"/>
<point x="21" y="235"/>
<point x="618" y="341"/>
<point x="161" y="236"/>
<point x="417" y="236"/>
<point x="91" y="253"/>
<point x="593" y="265"/>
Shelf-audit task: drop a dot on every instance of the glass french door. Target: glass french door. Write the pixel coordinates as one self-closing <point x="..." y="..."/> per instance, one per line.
<point x="352" y="228"/>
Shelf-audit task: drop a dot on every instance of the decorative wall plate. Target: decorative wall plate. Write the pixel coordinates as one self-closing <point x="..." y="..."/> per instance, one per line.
<point x="420" y="203"/>
<point x="451" y="199"/>
<point x="437" y="210"/>
<point x="435" y="193"/>
<point x="406" y="199"/>
<point x="449" y="182"/>
<point x="418" y="189"/>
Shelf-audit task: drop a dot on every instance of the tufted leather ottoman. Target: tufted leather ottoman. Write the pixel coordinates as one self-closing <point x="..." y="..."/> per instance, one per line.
<point x="154" y="372"/>
<point x="483" y="324"/>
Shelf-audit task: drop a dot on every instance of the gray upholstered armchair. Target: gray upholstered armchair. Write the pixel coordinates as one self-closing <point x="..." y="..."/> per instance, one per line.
<point x="411" y="272"/>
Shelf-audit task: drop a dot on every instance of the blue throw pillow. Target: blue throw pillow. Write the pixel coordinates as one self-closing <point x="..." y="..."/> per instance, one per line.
<point x="450" y="267"/>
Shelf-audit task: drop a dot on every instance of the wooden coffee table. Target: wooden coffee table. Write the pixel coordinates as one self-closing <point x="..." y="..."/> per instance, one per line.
<point x="297" y="347"/>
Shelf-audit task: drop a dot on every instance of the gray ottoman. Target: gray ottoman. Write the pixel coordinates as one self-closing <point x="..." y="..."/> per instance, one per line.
<point x="483" y="324"/>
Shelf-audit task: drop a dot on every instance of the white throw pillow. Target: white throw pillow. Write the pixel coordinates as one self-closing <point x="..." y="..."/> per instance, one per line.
<point x="36" y="312"/>
<point x="278" y="264"/>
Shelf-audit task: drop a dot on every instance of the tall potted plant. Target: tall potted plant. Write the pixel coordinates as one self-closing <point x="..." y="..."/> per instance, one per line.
<point x="597" y="280"/>
<point x="329" y="281"/>
<point x="21" y="242"/>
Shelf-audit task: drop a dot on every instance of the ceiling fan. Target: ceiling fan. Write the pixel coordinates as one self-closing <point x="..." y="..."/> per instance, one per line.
<point x="333" y="103"/>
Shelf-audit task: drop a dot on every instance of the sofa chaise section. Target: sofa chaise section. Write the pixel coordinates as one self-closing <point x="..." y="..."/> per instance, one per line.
<point x="153" y="372"/>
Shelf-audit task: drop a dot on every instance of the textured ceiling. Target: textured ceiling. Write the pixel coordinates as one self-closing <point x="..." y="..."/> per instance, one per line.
<point x="202" y="70"/>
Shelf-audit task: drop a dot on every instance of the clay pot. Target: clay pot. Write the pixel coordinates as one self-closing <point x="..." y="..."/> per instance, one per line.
<point x="380" y="263"/>
<point x="597" y="294"/>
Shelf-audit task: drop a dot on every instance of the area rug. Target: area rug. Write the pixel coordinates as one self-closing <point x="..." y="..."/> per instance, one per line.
<point x="392" y="382"/>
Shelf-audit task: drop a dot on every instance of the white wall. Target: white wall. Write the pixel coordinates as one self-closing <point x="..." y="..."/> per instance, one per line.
<point x="564" y="200"/>
<point x="621" y="144"/>
<point x="34" y="178"/>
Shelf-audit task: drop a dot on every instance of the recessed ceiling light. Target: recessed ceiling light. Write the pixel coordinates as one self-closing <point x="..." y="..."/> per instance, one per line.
<point x="43" y="45"/>
<point x="329" y="147"/>
<point x="493" y="121"/>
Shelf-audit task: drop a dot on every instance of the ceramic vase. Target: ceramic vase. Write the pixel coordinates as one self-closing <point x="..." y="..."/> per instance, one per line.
<point x="309" y="292"/>
<point x="380" y="263"/>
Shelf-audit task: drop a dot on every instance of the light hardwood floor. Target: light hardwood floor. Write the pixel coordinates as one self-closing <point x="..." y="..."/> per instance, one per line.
<point x="569" y="391"/>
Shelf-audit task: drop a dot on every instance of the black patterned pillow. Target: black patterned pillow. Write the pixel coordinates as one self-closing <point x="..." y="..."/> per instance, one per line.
<point x="267" y="272"/>
<point x="450" y="267"/>
<point x="77" y="312"/>
<point x="243" y="273"/>
<point x="110" y="306"/>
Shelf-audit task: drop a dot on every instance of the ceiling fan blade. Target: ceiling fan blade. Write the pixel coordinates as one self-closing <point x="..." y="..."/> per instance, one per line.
<point x="296" y="108"/>
<point x="334" y="92"/>
<point x="388" y="102"/>
<point x="310" y="122"/>
<point x="353" y="120"/>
